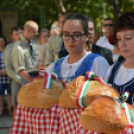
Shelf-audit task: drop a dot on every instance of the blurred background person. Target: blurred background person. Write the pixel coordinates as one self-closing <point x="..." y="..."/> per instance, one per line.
<point x="54" y="31"/>
<point x="55" y="43"/>
<point x="4" y="79"/>
<point x="25" y="53"/>
<point x="42" y="52"/>
<point x="108" y="28"/>
<point x="43" y="36"/>
<point x="16" y="32"/>
<point x="91" y="44"/>
<point x="15" y="78"/>
<point x="21" y="30"/>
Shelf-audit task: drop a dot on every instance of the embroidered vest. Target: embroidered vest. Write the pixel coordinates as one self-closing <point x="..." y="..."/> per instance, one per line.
<point x="82" y="69"/>
<point x="129" y="86"/>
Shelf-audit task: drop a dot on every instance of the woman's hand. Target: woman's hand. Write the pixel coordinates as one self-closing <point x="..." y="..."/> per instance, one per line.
<point x="3" y="73"/>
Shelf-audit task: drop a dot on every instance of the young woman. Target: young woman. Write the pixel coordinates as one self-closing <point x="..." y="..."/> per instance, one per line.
<point x="121" y="74"/>
<point x="43" y="36"/>
<point x="4" y="79"/>
<point x="75" y="36"/>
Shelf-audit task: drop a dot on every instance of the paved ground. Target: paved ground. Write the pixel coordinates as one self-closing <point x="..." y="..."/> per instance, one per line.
<point x="5" y="122"/>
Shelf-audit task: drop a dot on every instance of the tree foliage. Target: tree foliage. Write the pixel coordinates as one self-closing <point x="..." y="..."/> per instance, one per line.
<point x="97" y="9"/>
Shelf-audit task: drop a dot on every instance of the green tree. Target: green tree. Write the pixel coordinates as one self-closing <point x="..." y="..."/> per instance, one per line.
<point x="38" y="10"/>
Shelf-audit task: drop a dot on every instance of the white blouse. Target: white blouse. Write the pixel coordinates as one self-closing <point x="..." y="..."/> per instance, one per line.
<point x="100" y="67"/>
<point x="124" y="75"/>
<point x="103" y="42"/>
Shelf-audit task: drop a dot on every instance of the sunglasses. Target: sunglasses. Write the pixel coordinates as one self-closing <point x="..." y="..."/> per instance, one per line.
<point x="108" y="25"/>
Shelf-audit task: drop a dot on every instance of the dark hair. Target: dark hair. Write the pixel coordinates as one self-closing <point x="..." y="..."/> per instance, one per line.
<point x="4" y="40"/>
<point x="43" y="30"/>
<point x="81" y="18"/>
<point x="108" y="19"/>
<point x="90" y="20"/>
<point x="14" y="28"/>
<point x="21" y="28"/>
<point x="124" y="22"/>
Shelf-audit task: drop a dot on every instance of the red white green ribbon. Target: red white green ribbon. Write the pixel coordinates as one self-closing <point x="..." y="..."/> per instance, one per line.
<point x="124" y="97"/>
<point x="84" y="88"/>
<point x="93" y="76"/>
<point x="128" y="114"/>
<point x="48" y="78"/>
<point x="82" y="93"/>
<point x="129" y="129"/>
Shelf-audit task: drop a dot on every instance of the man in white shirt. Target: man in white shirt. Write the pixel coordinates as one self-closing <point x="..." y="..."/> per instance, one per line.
<point x="108" y="27"/>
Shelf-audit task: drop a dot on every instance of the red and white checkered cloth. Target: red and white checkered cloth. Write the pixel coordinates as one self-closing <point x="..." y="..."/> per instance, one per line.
<point x="36" y="121"/>
<point x="69" y="122"/>
<point x="53" y="121"/>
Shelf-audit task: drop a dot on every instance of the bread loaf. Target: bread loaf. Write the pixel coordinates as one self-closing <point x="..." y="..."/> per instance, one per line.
<point x="104" y="115"/>
<point x="95" y="89"/>
<point x="34" y="96"/>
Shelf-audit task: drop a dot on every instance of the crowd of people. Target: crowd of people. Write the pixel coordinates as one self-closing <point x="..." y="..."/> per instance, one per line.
<point x="71" y="48"/>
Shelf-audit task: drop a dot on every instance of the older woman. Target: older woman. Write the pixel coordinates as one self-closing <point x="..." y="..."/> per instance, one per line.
<point x="75" y="36"/>
<point x="121" y="74"/>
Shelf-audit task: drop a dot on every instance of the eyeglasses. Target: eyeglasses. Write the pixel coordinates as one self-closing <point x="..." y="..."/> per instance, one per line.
<point x="105" y="25"/>
<point x="76" y="36"/>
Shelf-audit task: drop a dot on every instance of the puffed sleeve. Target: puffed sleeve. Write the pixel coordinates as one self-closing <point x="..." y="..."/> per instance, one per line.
<point x="100" y="66"/>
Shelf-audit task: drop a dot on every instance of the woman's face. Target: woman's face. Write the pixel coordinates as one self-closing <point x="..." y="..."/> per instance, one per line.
<point x="43" y="37"/>
<point x="2" y="43"/>
<point x="91" y="31"/>
<point x="74" y="28"/>
<point x="125" y="40"/>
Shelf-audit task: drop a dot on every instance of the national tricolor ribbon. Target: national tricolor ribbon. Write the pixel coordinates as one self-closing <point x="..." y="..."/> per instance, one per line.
<point x="80" y="99"/>
<point x="48" y="78"/>
<point x="128" y="114"/>
<point x="82" y="93"/>
<point x="93" y="76"/>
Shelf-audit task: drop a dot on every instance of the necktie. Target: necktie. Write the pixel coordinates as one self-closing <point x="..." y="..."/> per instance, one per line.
<point x="31" y="51"/>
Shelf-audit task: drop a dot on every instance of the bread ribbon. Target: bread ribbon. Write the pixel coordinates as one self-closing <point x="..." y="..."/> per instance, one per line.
<point x="93" y="76"/>
<point x="84" y="88"/>
<point x="48" y="78"/>
<point x="128" y="114"/>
